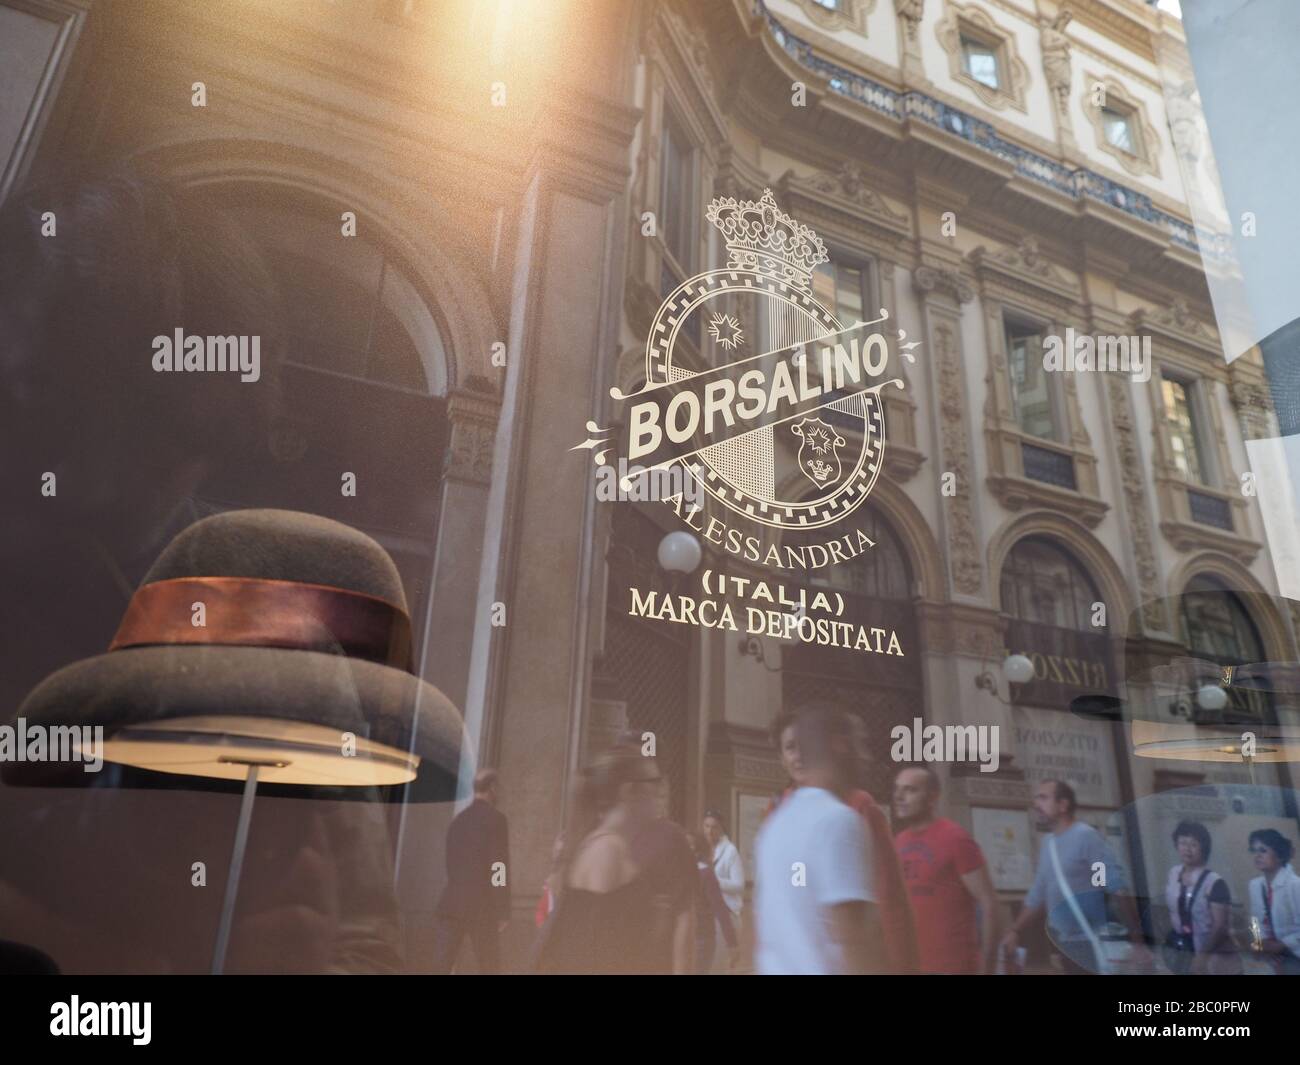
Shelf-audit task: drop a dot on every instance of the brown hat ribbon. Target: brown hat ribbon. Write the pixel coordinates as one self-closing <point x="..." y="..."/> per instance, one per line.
<point x="260" y="612"/>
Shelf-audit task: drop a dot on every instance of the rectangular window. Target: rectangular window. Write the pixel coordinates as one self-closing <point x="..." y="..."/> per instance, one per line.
<point x="1050" y="467"/>
<point x="844" y="289"/>
<point x="1186" y="431"/>
<point x="1209" y="510"/>
<point x="675" y="191"/>
<point x="1032" y="390"/>
<point x="981" y="61"/>
<point x="1118" y="128"/>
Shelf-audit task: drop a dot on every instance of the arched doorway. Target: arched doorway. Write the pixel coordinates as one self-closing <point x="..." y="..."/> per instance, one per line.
<point x="1056" y="615"/>
<point x="642" y="680"/>
<point x="881" y="690"/>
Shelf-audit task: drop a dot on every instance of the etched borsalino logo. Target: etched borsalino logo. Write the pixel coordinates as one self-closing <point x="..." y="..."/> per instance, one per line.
<point x="760" y="393"/>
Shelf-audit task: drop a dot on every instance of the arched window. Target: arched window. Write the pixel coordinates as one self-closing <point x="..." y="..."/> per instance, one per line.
<point x="350" y="309"/>
<point x="363" y="373"/>
<point x="882" y="690"/>
<point x="1044" y="584"/>
<point x="1216" y="625"/>
<point x="880" y="572"/>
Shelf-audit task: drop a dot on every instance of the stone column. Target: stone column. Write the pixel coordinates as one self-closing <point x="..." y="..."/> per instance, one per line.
<point x="461" y="526"/>
<point x="529" y="677"/>
<point x="444" y="657"/>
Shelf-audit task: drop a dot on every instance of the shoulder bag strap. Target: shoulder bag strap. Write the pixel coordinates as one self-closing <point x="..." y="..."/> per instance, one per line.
<point x="1102" y="963"/>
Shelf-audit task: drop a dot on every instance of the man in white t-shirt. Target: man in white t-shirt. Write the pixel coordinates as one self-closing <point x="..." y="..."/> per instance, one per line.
<point x="815" y="909"/>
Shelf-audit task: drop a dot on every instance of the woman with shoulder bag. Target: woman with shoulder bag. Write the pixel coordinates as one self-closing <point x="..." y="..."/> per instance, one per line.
<point x="1199" y="939"/>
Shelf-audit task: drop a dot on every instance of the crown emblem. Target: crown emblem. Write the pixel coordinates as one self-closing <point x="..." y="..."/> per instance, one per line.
<point x="762" y="237"/>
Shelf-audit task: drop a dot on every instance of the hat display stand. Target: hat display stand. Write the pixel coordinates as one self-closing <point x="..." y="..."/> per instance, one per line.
<point x="249" y="749"/>
<point x="236" y="868"/>
<point x="299" y="674"/>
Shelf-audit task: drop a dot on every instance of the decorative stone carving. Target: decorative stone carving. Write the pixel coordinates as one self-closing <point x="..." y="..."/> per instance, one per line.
<point x="1135" y="499"/>
<point x="1253" y="402"/>
<point x="1056" y="60"/>
<point x="1185" y="122"/>
<point x="850" y="181"/>
<point x="473" y="436"/>
<point x="1179" y="316"/>
<point x="693" y="46"/>
<point x="911" y="12"/>
<point x="948" y="282"/>
<point x="1026" y="258"/>
<point x="963" y="543"/>
<point x="471" y="452"/>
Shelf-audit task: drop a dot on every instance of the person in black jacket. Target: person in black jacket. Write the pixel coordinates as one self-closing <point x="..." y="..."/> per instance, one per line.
<point x="476" y="900"/>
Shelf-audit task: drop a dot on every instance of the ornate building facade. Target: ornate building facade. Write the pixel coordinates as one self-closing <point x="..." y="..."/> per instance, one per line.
<point x="530" y="183"/>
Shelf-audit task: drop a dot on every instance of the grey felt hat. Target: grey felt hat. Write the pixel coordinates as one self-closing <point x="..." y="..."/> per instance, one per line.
<point x="264" y="637"/>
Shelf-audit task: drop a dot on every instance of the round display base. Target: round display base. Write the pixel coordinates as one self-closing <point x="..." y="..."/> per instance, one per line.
<point x="285" y="752"/>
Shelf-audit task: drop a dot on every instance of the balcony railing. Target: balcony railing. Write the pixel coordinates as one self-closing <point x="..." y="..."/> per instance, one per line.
<point x="1076" y="182"/>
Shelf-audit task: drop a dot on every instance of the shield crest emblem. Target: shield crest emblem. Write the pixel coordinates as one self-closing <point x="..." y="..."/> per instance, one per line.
<point x="819" y="457"/>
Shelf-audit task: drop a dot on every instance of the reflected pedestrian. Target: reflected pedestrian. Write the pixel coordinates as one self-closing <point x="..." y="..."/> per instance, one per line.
<point x="626" y="882"/>
<point x="1066" y="888"/>
<point x="712" y="916"/>
<point x="727" y="866"/>
<point x="1200" y="940"/>
<point x="898" y="926"/>
<point x="947" y="879"/>
<point x="814" y="898"/>
<point x="1275" y="901"/>
<point x="475" y="902"/>
<point x="546" y="902"/>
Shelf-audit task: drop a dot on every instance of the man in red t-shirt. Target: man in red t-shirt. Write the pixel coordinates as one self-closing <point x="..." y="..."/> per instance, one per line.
<point x="946" y="880"/>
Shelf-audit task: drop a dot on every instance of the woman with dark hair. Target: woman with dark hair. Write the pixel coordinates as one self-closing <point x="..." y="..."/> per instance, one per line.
<point x="626" y="881"/>
<point x="1275" y="901"/>
<point x="727" y="866"/>
<point x="1199" y="940"/>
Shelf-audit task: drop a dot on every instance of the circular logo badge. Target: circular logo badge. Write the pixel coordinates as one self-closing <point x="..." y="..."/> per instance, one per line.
<point x="805" y="470"/>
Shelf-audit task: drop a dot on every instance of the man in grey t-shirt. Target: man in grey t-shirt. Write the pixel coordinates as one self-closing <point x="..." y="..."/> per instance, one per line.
<point x="1091" y="870"/>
